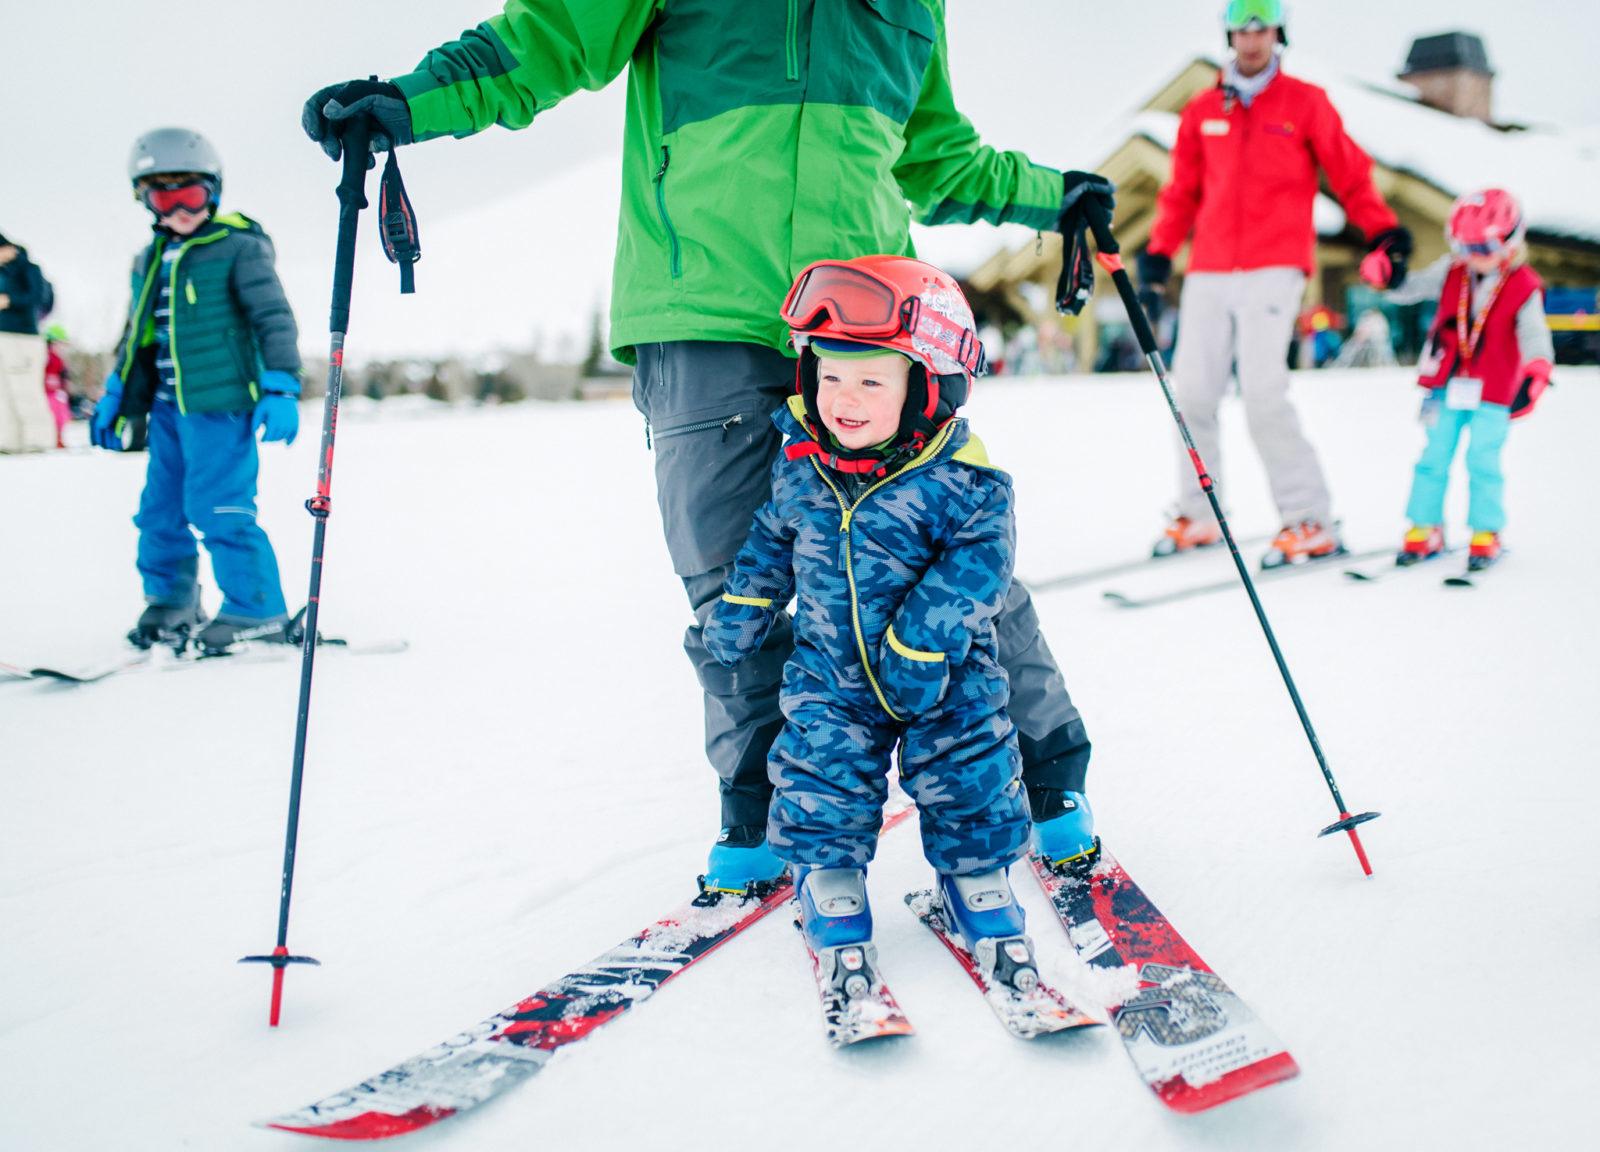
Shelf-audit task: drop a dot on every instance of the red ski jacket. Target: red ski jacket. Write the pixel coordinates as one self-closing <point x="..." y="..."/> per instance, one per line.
<point x="1244" y="179"/>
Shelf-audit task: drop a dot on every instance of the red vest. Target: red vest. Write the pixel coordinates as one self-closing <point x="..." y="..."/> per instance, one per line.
<point x="1497" y="358"/>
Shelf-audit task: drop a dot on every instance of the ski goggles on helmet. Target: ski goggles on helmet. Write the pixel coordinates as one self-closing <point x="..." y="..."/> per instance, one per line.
<point x="166" y="197"/>
<point x="1476" y="248"/>
<point x="858" y="303"/>
<point x="1244" y="14"/>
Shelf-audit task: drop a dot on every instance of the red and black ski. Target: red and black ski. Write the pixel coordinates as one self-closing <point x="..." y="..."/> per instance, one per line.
<point x="1194" y="1042"/>
<point x="507" y="1048"/>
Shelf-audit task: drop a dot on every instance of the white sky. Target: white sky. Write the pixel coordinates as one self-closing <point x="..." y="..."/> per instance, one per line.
<point x="82" y="78"/>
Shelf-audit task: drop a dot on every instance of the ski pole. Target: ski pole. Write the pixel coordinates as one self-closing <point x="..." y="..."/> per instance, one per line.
<point x="1110" y="259"/>
<point x="352" y="199"/>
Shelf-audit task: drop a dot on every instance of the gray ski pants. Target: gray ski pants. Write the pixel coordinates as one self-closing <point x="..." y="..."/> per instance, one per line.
<point x="708" y="408"/>
<point x="1245" y="319"/>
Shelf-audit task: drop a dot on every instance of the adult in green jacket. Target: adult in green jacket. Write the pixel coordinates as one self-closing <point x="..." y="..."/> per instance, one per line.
<point x="759" y="137"/>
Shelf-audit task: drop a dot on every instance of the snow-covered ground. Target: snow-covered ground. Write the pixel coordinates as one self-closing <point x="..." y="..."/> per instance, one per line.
<point x="524" y="788"/>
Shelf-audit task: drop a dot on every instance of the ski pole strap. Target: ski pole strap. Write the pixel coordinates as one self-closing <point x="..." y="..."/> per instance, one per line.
<point x="398" y="224"/>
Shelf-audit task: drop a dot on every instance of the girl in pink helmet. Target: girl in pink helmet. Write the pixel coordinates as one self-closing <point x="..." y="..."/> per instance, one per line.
<point x="1486" y="362"/>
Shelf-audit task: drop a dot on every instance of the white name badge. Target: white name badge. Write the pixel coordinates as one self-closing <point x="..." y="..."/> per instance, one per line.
<point x="1213" y="127"/>
<point x="1463" y="393"/>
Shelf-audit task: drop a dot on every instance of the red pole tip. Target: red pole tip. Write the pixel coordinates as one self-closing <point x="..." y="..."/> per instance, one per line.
<point x="1361" y="853"/>
<point x="277" y="986"/>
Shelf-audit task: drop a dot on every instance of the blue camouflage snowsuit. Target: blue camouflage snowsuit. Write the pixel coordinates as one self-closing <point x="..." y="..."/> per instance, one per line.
<point x="894" y="641"/>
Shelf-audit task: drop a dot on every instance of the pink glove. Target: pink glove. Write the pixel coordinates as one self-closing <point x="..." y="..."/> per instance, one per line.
<point x="1376" y="268"/>
<point x="1535" y="379"/>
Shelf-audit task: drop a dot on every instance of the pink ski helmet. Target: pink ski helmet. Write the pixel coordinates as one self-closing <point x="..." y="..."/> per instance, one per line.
<point x="1485" y="223"/>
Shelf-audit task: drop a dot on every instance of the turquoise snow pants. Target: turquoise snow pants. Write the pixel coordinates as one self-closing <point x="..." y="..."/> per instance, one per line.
<point x="1488" y="424"/>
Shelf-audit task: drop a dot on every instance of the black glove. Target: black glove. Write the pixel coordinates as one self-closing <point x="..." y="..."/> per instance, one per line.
<point x="331" y="110"/>
<point x="1076" y="189"/>
<point x="1154" y="272"/>
<point x="1394" y="243"/>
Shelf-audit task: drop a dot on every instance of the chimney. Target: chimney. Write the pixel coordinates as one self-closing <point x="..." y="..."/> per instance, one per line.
<point x="1452" y="72"/>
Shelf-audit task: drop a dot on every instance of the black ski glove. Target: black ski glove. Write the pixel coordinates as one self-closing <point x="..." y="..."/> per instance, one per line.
<point x="1154" y="272"/>
<point x="1077" y="268"/>
<point x="330" y="111"/>
<point x="1385" y="263"/>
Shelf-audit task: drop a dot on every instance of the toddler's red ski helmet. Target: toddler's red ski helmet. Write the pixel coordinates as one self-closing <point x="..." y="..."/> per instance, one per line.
<point x="1485" y="223"/>
<point x="901" y="305"/>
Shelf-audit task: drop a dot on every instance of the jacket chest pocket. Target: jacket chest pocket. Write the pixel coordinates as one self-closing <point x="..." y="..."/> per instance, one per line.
<point x="873" y="53"/>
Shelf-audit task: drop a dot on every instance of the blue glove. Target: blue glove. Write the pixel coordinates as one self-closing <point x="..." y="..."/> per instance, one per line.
<point x="277" y="413"/>
<point x="737" y="628"/>
<point x="913" y="681"/>
<point x="103" y="432"/>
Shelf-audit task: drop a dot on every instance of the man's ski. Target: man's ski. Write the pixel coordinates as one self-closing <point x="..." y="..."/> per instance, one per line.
<point x="1371" y="574"/>
<point x="500" y="1052"/>
<point x="853" y="1014"/>
<point x="1263" y="576"/>
<point x="1037" y="1012"/>
<point x="1088" y="575"/>
<point x="1194" y="1042"/>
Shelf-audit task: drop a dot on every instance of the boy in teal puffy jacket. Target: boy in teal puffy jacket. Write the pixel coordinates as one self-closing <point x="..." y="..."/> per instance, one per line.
<point x="208" y="358"/>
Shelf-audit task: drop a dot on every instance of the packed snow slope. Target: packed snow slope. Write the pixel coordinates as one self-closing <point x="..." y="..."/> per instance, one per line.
<point x="524" y="788"/>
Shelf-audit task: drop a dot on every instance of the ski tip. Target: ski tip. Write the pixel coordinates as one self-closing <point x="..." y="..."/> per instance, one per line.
<point x="1179" y="1095"/>
<point x="1120" y="599"/>
<point x="366" y="1126"/>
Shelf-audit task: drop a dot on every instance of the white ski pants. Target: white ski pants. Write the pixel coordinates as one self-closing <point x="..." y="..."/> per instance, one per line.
<point x="25" y="421"/>
<point x="1244" y="321"/>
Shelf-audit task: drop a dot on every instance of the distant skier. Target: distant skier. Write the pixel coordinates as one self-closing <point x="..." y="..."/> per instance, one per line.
<point x="758" y="138"/>
<point x="1487" y="361"/>
<point x="1244" y="180"/>
<point x="896" y="535"/>
<point x="209" y="357"/>
<point x="57" y="380"/>
<point x="25" y="298"/>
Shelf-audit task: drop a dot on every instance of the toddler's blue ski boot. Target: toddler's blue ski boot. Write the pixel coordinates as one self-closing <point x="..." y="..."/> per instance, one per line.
<point x="984" y="911"/>
<point x="741" y="864"/>
<point x="837" y="924"/>
<point x="1063" y="828"/>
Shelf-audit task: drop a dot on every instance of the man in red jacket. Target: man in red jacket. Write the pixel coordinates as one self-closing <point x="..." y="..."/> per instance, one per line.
<point x="1244" y="180"/>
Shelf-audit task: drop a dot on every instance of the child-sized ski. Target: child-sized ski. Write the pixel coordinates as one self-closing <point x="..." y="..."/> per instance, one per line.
<point x="1470" y="577"/>
<point x="853" y="1014"/>
<point x="1037" y="1012"/>
<point x="485" y="1060"/>
<point x="1194" y="1042"/>
<point x="156" y="660"/>
<point x="1373" y="573"/>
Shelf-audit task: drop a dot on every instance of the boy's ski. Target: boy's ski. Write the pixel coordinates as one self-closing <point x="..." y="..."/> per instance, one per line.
<point x="1470" y="577"/>
<point x="1371" y="574"/>
<point x="1263" y="576"/>
<point x="871" y="1013"/>
<point x="500" y="1052"/>
<point x="1194" y="1042"/>
<point x="1088" y="575"/>
<point x="1024" y="1014"/>
<point x="160" y="660"/>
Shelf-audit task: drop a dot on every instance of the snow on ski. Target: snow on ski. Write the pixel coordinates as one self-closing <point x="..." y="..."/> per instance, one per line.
<point x="1192" y="1039"/>
<point x="1024" y="1014"/>
<point x="1262" y="576"/>
<point x="847" y="1019"/>
<point x="498" y="1053"/>
<point x="1087" y="575"/>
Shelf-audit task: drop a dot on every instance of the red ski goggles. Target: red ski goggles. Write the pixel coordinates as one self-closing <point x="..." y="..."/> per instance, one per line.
<point x="165" y="199"/>
<point x="859" y="303"/>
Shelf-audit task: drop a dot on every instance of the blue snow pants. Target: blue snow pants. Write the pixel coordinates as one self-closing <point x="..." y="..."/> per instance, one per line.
<point x="959" y="762"/>
<point x="1487" y="426"/>
<point x="202" y="478"/>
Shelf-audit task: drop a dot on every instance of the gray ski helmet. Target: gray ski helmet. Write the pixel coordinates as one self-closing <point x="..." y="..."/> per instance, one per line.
<point x="165" y="150"/>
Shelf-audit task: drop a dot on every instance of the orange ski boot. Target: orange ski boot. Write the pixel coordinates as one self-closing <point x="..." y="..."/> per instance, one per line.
<point x="1423" y="542"/>
<point x="1484" y="551"/>
<point x="1302" y="542"/>
<point x="1183" y="534"/>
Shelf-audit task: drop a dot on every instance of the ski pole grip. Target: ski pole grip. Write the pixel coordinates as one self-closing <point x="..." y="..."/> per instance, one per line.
<point x="352" y="194"/>
<point x="1111" y="261"/>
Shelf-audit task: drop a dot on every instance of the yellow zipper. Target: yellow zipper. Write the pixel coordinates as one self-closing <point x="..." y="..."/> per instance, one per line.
<point x="846" y="516"/>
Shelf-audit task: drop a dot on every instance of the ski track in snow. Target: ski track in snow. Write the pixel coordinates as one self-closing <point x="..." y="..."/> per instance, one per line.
<point x="523" y="789"/>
